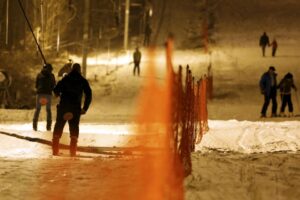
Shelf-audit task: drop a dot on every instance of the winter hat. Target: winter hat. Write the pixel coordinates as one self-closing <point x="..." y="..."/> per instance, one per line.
<point x="272" y="68"/>
<point x="289" y="75"/>
<point x="48" y="66"/>
<point x="76" y="67"/>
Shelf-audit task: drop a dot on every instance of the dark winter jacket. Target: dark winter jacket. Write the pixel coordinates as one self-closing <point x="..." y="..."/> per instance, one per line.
<point x="45" y="82"/>
<point x="286" y="84"/>
<point x="266" y="84"/>
<point x="71" y="89"/>
<point x="264" y="40"/>
<point x="137" y="57"/>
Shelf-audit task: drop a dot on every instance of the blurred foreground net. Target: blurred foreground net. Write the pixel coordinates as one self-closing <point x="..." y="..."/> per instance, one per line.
<point x="173" y="117"/>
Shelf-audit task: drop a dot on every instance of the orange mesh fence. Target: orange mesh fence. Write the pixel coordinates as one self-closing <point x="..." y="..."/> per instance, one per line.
<point x="202" y="112"/>
<point x="172" y="117"/>
<point x="190" y="112"/>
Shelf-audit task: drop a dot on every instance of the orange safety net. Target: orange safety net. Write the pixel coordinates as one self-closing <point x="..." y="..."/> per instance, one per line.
<point x="172" y="117"/>
<point x="203" y="114"/>
<point x="190" y="115"/>
<point x="161" y="169"/>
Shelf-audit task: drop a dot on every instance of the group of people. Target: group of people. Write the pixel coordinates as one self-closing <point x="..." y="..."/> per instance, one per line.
<point x="265" y="42"/>
<point x="268" y="85"/>
<point x="70" y="89"/>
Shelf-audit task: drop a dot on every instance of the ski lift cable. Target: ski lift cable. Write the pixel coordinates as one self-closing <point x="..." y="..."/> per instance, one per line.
<point x="29" y="25"/>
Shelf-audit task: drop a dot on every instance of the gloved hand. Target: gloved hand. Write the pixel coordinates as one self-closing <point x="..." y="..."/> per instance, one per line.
<point x="82" y="112"/>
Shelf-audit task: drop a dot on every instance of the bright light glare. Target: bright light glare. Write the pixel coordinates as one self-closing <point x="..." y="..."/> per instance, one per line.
<point x="114" y="129"/>
<point x="106" y="129"/>
<point x="150" y="12"/>
<point x="111" y="59"/>
<point x="104" y="59"/>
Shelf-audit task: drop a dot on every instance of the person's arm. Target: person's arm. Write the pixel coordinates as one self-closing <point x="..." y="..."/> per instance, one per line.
<point x="57" y="88"/>
<point x="260" y="41"/>
<point x="53" y="82"/>
<point x="293" y="86"/>
<point x="262" y="84"/>
<point x="37" y="82"/>
<point x="280" y="84"/>
<point x="88" y="97"/>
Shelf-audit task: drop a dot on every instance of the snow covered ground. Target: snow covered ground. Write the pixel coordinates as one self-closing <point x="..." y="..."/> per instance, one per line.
<point x="223" y="136"/>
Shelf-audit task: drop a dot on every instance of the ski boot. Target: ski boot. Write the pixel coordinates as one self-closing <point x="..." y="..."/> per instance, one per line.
<point x="55" y="145"/>
<point x="34" y="125"/>
<point x="73" y="146"/>
<point x="48" y="126"/>
<point x="282" y="114"/>
<point x="263" y="116"/>
<point x="274" y="115"/>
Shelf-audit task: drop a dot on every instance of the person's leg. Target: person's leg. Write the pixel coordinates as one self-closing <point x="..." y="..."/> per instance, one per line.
<point x="273" y="52"/>
<point x="283" y="104"/>
<point x="290" y="104"/>
<point x="138" y="69"/>
<point x="263" y="50"/>
<point x="265" y="106"/>
<point x="48" y="110"/>
<point x="274" y="105"/>
<point x="37" y="112"/>
<point x="74" y="132"/>
<point x="58" y="130"/>
<point x="134" y="68"/>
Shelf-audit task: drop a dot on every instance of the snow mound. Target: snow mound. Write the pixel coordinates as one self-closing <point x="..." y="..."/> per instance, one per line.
<point x="251" y="137"/>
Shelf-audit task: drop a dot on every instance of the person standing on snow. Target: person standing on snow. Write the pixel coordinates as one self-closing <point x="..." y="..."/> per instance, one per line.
<point x="268" y="86"/>
<point x="137" y="55"/>
<point x="45" y="82"/>
<point x="285" y="86"/>
<point x="274" y="46"/>
<point x="264" y="42"/>
<point x="70" y="90"/>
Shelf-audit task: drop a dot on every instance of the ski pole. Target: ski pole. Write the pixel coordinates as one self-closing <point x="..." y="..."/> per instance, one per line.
<point x="29" y="25"/>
